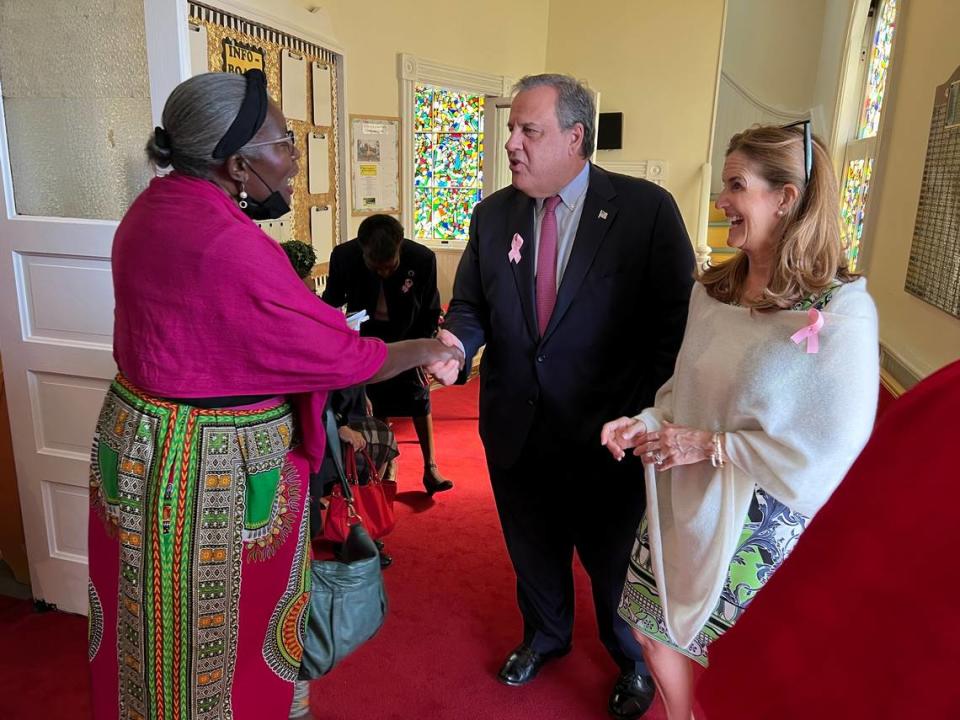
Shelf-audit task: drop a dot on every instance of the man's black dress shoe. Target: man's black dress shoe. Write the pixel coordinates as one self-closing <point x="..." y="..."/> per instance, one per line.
<point x="631" y="697"/>
<point x="524" y="663"/>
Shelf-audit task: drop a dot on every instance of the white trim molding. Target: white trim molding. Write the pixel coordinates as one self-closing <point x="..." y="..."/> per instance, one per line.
<point x="898" y="373"/>
<point x="413" y="70"/>
<point x="168" y="50"/>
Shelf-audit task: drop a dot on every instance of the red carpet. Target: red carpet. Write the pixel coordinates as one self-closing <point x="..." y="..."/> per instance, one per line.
<point x="452" y="620"/>
<point x="453" y="615"/>
<point x="43" y="663"/>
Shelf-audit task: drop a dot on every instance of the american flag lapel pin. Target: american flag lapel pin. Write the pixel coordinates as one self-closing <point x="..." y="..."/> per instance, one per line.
<point x="602" y="215"/>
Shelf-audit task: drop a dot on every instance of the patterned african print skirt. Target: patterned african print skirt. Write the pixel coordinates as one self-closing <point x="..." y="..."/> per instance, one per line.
<point x="199" y="560"/>
<point x="769" y="535"/>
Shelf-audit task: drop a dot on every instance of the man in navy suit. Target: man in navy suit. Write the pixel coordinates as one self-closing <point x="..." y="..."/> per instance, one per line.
<point x="577" y="281"/>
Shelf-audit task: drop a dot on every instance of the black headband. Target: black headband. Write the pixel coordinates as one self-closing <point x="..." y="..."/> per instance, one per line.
<point x="161" y="138"/>
<point x="253" y="111"/>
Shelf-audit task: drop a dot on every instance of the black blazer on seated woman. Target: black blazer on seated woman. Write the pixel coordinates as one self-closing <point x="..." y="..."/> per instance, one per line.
<point x="413" y="301"/>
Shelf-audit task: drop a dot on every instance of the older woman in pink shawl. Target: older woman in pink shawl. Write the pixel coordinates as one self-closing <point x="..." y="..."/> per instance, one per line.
<point x="199" y="551"/>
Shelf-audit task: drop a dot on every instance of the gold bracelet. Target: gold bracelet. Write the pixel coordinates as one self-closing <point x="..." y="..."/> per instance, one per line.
<point x="716" y="457"/>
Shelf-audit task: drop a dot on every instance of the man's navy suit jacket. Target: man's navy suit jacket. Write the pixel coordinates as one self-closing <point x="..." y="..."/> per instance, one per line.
<point x="614" y="333"/>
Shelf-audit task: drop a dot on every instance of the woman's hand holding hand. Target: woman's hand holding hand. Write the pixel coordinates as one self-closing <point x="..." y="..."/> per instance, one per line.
<point x="621" y="434"/>
<point x="353" y="438"/>
<point x="674" y="445"/>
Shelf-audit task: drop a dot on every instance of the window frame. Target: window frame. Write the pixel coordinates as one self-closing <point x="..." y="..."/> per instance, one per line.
<point x="413" y="71"/>
<point x="847" y="145"/>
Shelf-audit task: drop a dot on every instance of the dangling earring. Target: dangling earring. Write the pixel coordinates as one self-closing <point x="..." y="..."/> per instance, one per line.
<point x="242" y="202"/>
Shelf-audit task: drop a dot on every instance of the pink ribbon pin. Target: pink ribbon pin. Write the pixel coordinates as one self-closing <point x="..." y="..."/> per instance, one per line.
<point x="515" y="246"/>
<point x="810" y="332"/>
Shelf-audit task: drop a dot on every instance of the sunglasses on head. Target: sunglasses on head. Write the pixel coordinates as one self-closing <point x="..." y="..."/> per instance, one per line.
<point x="807" y="147"/>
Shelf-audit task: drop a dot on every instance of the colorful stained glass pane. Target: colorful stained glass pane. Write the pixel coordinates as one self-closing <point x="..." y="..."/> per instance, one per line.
<point x="480" y="157"/>
<point x="423" y="109"/>
<point x="465" y="201"/>
<point x="456" y="161"/>
<point x="452" y="208"/>
<point x="444" y="214"/>
<point x="423" y="206"/>
<point x="877" y="71"/>
<point x="457" y="112"/>
<point x="423" y="160"/>
<point x="855" y="186"/>
<point x="448" y="163"/>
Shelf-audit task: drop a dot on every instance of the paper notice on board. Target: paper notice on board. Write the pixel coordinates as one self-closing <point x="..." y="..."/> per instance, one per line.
<point x="374" y="155"/>
<point x="198" y="49"/>
<point x="293" y="86"/>
<point x="322" y="103"/>
<point x="321" y="232"/>
<point x="318" y="162"/>
<point x="370" y="185"/>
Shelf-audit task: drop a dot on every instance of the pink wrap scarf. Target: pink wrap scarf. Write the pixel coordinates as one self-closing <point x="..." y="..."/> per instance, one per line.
<point x="207" y="305"/>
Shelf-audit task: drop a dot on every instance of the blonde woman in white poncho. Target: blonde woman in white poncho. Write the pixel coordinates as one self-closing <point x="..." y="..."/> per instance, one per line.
<point x="772" y="398"/>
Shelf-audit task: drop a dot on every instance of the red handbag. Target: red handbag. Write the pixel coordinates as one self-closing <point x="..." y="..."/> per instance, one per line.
<point x="368" y="505"/>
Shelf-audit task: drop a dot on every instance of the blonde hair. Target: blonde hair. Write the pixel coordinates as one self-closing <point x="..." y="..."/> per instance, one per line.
<point x="809" y="255"/>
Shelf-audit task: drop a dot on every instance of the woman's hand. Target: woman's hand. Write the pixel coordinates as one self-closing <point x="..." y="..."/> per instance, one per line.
<point x="674" y="445"/>
<point x="353" y="438"/>
<point x="429" y="353"/>
<point x="446" y="367"/>
<point x="621" y="434"/>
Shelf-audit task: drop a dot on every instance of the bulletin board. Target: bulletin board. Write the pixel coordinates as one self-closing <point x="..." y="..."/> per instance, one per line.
<point x="375" y="164"/>
<point x="303" y="78"/>
<point x="933" y="273"/>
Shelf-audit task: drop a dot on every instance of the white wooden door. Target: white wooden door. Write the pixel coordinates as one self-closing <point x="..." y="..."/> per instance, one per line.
<point x="73" y="124"/>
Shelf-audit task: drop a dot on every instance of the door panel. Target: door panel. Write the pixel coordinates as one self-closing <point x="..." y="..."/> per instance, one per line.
<point x="71" y="161"/>
<point x="50" y="286"/>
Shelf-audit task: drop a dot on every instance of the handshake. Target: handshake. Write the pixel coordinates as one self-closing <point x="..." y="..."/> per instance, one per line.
<point x="445" y="367"/>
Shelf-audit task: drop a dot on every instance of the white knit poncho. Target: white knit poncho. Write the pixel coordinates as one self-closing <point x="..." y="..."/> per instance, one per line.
<point x="794" y="423"/>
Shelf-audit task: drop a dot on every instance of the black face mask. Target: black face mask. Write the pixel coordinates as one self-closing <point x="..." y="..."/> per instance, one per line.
<point x="271" y="208"/>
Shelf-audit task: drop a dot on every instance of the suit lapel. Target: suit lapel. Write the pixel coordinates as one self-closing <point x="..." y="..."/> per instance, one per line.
<point x="520" y="222"/>
<point x="597" y="217"/>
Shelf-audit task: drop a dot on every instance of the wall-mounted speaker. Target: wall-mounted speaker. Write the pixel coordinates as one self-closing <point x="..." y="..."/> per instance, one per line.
<point x="610" y="131"/>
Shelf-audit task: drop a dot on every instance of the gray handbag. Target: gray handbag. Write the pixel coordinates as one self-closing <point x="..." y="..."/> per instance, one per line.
<point x="347" y="601"/>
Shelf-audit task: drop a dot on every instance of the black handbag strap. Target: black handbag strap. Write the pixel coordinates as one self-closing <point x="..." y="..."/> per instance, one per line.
<point x="333" y="442"/>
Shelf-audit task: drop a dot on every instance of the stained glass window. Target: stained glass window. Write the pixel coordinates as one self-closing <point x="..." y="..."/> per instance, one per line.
<point x="448" y="162"/>
<point x="855" y="187"/>
<point x="877" y="72"/>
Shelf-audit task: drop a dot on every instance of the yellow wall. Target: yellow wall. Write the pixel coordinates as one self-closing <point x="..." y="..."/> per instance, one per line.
<point x="772" y="49"/>
<point x="656" y="62"/>
<point x="836" y="21"/>
<point x="925" y="56"/>
<point x="500" y="37"/>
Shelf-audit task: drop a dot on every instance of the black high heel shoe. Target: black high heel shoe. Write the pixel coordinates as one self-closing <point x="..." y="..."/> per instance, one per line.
<point x="433" y="482"/>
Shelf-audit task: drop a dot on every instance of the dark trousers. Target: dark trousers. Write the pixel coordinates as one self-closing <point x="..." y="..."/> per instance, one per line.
<point x="557" y="499"/>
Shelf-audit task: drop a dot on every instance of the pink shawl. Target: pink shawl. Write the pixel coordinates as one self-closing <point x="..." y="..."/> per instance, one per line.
<point x="207" y="305"/>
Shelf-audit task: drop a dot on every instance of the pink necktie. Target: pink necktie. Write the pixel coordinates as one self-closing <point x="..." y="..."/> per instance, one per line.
<point x="547" y="263"/>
